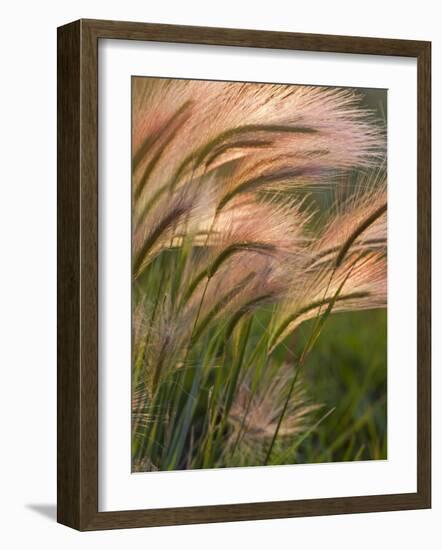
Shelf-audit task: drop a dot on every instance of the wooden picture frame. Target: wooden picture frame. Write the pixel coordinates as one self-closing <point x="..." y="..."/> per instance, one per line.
<point x="77" y="461"/>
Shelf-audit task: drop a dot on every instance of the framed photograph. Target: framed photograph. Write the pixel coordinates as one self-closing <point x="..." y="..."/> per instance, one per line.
<point x="243" y="275"/>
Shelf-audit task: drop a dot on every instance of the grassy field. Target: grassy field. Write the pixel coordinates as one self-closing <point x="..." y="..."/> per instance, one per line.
<point x="258" y="275"/>
<point x="222" y="409"/>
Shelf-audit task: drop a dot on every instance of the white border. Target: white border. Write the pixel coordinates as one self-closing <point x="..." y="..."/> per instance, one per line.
<point x="118" y="488"/>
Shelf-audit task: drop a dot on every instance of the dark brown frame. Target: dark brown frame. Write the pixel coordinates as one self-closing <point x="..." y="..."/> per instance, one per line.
<point x="77" y="460"/>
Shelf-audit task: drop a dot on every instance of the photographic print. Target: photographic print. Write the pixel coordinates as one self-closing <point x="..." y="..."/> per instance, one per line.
<point x="259" y="274"/>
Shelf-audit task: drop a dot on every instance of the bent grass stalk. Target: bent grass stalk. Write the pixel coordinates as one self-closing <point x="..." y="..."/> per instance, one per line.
<point x="314" y="335"/>
<point x="222" y="257"/>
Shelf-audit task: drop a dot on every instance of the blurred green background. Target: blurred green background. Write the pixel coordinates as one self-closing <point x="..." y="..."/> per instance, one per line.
<point x="346" y="372"/>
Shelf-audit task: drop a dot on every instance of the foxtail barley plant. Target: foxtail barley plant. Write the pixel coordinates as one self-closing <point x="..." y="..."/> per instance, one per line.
<point x="232" y="255"/>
